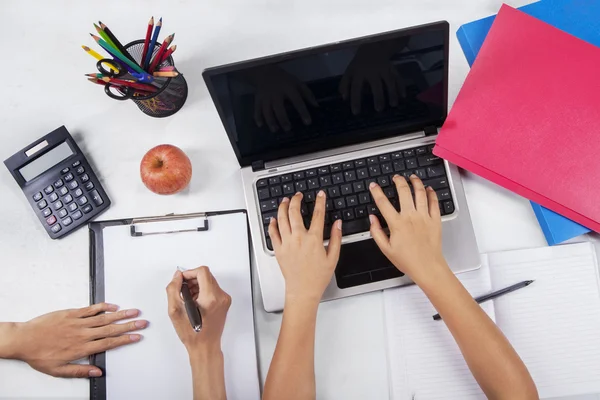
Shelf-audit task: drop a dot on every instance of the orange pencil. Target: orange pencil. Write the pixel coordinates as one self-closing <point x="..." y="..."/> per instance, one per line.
<point x="160" y="53"/>
<point x="167" y="54"/>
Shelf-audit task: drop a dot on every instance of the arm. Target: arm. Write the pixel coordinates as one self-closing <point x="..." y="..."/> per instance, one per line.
<point x="204" y="347"/>
<point x="307" y="269"/>
<point x="50" y="343"/>
<point x="415" y="247"/>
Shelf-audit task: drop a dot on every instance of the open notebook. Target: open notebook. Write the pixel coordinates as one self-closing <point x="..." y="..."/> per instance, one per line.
<point x="554" y="325"/>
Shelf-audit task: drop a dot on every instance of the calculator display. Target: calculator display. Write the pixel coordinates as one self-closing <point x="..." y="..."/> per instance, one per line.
<point x="46" y="161"/>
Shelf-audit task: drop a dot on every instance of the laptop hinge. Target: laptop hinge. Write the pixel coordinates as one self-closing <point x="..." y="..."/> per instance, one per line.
<point x="258" y="165"/>
<point x="431" y="130"/>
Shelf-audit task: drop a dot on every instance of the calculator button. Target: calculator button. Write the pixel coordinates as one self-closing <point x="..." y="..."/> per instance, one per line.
<point x="58" y="205"/>
<point x="80" y="170"/>
<point x="85" y="178"/>
<point x="73" y="184"/>
<point x="56" y="228"/>
<point x="42" y="204"/>
<point x="65" y="170"/>
<point x="82" y="200"/>
<point x="67" y="221"/>
<point x="58" y="183"/>
<point x="47" y="212"/>
<point x="51" y="220"/>
<point x="77" y="214"/>
<point x="53" y="197"/>
<point x="87" y="208"/>
<point x="68" y="177"/>
<point x="89" y="186"/>
<point x="72" y="207"/>
<point x="78" y="192"/>
<point x="63" y="213"/>
<point x="96" y="198"/>
<point x="63" y="191"/>
<point x="67" y="199"/>
<point x="49" y="189"/>
<point x="76" y="164"/>
<point x="38" y="196"/>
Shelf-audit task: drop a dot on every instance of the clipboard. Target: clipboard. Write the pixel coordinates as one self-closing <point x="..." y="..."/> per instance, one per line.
<point x="152" y="227"/>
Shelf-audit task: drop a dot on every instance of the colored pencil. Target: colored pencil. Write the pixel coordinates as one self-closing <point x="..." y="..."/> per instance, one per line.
<point x="167" y="54"/>
<point x="161" y="51"/>
<point x="97" y="56"/>
<point x="101" y="82"/>
<point x="117" y="54"/>
<point x="165" y="69"/>
<point x="116" y="42"/>
<point x="140" y="86"/>
<point x="165" y="74"/>
<point x="146" y="63"/>
<point x="104" y="36"/>
<point x="147" y="41"/>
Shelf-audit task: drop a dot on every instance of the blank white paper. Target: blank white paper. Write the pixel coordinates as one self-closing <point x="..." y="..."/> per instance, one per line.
<point x="554" y="324"/>
<point x="425" y="362"/>
<point x="137" y="271"/>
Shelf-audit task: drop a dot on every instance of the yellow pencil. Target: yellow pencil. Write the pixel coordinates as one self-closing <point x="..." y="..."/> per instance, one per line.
<point x="165" y="74"/>
<point x="97" y="56"/>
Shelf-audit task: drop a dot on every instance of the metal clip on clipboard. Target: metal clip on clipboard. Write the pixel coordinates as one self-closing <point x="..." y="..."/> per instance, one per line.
<point x="169" y="218"/>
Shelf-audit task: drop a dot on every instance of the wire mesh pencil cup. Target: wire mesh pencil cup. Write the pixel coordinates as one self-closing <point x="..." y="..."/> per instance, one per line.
<point x="172" y="92"/>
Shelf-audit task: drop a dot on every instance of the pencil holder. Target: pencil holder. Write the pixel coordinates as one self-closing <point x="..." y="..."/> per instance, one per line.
<point x="172" y="92"/>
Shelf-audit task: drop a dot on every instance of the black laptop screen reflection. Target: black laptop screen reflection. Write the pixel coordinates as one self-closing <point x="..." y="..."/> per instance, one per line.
<point x="335" y="97"/>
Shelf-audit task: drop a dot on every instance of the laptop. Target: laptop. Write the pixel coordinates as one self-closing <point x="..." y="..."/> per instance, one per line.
<point x="337" y="117"/>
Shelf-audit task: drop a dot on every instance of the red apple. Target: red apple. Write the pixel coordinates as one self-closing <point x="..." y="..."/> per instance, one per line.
<point x="165" y="169"/>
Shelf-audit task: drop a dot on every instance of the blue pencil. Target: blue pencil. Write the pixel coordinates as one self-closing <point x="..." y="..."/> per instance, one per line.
<point x="152" y="44"/>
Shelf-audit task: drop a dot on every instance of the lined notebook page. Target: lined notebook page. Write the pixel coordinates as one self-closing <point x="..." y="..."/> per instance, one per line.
<point x="554" y="324"/>
<point x="424" y="360"/>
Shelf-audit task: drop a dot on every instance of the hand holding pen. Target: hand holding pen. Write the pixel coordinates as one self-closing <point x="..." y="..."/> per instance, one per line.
<point x="212" y="303"/>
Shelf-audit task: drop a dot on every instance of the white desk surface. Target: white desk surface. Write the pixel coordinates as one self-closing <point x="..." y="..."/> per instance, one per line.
<point x="43" y="87"/>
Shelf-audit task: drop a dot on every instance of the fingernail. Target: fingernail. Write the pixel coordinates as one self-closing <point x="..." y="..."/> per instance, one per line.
<point x="413" y="176"/>
<point x="372" y="185"/>
<point x="372" y="219"/>
<point x="135" y="338"/>
<point x="429" y="188"/>
<point x="95" y="373"/>
<point x="285" y="200"/>
<point x="338" y="224"/>
<point x="132" y="313"/>
<point x="175" y="274"/>
<point x="395" y="176"/>
<point x="299" y="194"/>
<point x="272" y="220"/>
<point x="141" y="324"/>
<point x="321" y="193"/>
<point x="112" y="307"/>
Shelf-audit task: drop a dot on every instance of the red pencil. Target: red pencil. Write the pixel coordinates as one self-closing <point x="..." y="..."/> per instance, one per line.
<point x="167" y="54"/>
<point x="159" y="54"/>
<point x="139" y="86"/>
<point x="147" y="41"/>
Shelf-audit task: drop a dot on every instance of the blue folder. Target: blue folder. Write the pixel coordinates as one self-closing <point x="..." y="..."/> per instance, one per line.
<point x="580" y="18"/>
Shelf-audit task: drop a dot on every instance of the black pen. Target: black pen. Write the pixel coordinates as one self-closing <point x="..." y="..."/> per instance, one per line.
<point x="190" y="306"/>
<point x="495" y="294"/>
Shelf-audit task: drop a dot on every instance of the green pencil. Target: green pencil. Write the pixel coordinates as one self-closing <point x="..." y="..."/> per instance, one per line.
<point x="116" y="53"/>
<point x="105" y="36"/>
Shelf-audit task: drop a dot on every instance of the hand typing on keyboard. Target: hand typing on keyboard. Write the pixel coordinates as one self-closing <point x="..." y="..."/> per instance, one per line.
<point x="305" y="263"/>
<point x="415" y="242"/>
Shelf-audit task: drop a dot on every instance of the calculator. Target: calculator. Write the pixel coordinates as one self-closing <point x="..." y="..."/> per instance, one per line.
<point x="58" y="182"/>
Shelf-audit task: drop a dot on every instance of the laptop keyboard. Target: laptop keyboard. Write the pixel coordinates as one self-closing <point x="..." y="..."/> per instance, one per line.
<point x="347" y="187"/>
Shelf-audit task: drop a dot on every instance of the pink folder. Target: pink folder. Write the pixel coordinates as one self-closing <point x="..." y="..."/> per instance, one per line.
<point x="528" y="116"/>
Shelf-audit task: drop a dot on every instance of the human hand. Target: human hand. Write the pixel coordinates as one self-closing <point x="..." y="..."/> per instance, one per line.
<point x="274" y="86"/>
<point x="50" y="343"/>
<point x="415" y="242"/>
<point x="306" y="266"/>
<point x="371" y="67"/>
<point x="212" y="302"/>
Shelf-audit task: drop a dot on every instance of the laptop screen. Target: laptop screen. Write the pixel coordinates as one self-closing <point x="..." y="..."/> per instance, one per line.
<point x="345" y="93"/>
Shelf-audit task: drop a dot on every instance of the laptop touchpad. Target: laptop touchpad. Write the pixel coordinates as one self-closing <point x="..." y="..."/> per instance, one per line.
<point x="362" y="262"/>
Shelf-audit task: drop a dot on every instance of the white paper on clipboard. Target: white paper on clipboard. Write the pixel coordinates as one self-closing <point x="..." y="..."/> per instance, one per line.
<point x="136" y="272"/>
